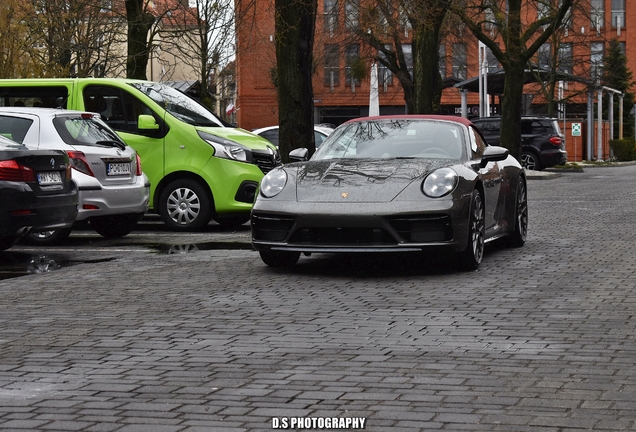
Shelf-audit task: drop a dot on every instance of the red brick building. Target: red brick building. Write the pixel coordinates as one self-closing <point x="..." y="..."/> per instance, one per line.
<point x="337" y="100"/>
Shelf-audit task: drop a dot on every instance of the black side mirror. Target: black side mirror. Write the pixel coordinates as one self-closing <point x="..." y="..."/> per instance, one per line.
<point x="493" y="154"/>
<point x="299" y="155"/>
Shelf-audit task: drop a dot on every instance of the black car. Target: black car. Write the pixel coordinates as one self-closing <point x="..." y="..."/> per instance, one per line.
<point x="543" y="144"/>
<point x="36" y="191"/>
<point x="393" y="184"/>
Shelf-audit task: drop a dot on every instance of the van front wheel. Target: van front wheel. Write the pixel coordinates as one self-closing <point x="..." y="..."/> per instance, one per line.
<point x="184" y="205"/>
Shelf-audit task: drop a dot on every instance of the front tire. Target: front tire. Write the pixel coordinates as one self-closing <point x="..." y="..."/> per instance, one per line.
<point x="115" y="225"/>
<point x="518" y="236"/>
<point x="184" y="205"/>
<point x="470" y="258"/>
<point x="47" y="238"/>
<point x="279" y="258"/>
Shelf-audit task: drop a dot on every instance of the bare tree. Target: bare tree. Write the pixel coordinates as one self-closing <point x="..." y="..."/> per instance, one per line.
<point x="295" y="22"/>
<point x="494" y="21"/>
<point x="200" y="37"/>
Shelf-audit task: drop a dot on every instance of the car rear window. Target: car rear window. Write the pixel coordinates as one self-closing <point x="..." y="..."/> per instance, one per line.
<point x="83" y="131"/>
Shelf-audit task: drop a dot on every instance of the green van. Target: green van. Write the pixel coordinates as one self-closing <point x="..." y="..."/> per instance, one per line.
<point x="199" y="167"/>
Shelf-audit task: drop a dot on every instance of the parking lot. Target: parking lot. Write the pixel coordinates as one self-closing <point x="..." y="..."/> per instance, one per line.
<point x="161" y="331"/>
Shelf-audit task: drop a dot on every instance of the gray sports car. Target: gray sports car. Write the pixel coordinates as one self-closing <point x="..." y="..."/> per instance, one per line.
<point x="393" y="184"/>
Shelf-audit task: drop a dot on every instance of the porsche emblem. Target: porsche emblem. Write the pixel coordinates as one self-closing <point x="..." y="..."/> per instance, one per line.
<point x="344" y="194"/>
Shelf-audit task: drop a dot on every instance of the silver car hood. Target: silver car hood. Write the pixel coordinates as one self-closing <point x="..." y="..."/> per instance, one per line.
<point x="359" y="180"/>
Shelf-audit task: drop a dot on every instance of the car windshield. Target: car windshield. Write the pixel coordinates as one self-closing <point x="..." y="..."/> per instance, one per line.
<point x="394" y="138"/>
<point x="179" y="104"/>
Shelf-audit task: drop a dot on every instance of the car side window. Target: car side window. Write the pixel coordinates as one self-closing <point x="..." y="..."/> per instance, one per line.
<point x="14" y="128"/>
<point x="120" y="110"/>
<point x="477" y="144"/>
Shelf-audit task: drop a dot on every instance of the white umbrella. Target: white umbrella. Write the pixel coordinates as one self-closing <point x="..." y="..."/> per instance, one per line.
<point x="374" y="98"/>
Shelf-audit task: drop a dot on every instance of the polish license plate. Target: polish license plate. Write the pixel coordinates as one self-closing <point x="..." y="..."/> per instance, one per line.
<point x="118" y="169"/>
<point x="49" y="178"/>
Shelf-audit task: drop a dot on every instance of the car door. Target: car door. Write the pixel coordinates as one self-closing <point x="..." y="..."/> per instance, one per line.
<point x="491" y="177"/>
<point x="120" y="110"/>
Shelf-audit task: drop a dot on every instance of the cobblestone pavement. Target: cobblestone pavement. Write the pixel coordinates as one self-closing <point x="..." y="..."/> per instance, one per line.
<point x="541" y="338"/>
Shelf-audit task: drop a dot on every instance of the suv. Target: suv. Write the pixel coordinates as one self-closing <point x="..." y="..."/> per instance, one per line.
<point x="542" y="143"/>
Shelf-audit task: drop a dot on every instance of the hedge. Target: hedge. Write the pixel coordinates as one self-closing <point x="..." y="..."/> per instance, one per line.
<point x="624" y="150"/>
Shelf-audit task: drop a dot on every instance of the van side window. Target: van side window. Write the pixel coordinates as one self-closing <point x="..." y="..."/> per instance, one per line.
<point x="34" y="96"/>
<point x="120" y="110"/>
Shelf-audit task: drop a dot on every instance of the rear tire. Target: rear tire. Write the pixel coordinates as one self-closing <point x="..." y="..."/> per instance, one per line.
<point x="279" y="258"/>
<point x="470" y="258"/>
<point x="530" y="161"/>
<point x="114" y="226"/>
<point x="47" y="238"/>
<point x="184" y="205"/>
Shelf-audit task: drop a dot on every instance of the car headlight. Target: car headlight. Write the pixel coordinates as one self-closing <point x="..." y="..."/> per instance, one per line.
<point x="439" y="183"/>
<point x="226" y="148"/>
<point x="273" y="183"/>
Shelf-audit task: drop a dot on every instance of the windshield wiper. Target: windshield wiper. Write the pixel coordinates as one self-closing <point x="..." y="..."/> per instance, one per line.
<point x="111" y="143"/>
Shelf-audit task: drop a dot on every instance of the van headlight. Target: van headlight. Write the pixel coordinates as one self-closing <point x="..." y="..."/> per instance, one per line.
<point x="273" y="183"/>
<point x="440" y="182"/>
<point x="226" y="148"/>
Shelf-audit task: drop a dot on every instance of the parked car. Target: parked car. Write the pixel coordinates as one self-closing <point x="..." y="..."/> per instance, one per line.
<point x="36" y="191"/>
<point x="270" y="133"/>
<point x="113" y="190"/>
<point x="543" y="143"/>
<point x="392" y="184"/>
<point x="199" y="167"/>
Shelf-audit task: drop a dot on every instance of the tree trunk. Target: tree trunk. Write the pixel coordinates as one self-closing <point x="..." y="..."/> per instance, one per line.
<point x="295" y="21"/>
<point x="511" y="109"/>
<point x="139" y="24"/>
<point x="427" y="92"/>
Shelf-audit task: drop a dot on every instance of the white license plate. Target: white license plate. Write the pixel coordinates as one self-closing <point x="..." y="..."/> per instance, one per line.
<point x="49" y="178"/>
<point x="118" y="169"/>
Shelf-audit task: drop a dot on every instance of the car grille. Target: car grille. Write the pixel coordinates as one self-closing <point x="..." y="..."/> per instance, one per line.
<point x="358" y="236"/>
<point x="265" y="160"/>
<point x="271" y="227"/>
<point x="423" y="229"/>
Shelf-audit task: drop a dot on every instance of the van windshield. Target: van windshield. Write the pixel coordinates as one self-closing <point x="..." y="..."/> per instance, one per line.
<point x="179" y="104"/>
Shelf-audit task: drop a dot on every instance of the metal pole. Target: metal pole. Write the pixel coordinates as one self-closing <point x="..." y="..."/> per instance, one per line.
<point x="590" y="123"/>
<point x="599" y="126"/>
<point x="620" y="116"/>
<point x="610" y="112"/>
<point x="464" y="95"/>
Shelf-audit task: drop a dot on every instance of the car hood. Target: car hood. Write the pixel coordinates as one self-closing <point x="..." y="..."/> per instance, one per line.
<point x="359" y="180"/>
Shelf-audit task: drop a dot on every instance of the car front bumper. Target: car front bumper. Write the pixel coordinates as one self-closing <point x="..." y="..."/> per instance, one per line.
<point x="360" y="227"/>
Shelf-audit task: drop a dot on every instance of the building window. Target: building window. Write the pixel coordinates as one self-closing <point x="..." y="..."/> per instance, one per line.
<point x="332" y="65"/>
<point x="459" y="61"/>
<point x="407" y="49"/>
<point x="352" y="14"/>
<point x="352" y="56"/>
<point x="597" y="14"/>
<point x="565" y="58"/>
<point x="442" y="60"/>
<point x="544" y="56"/>
<point x="385" y="77"/>
<point x="618" y="14"/>
<point x="596" y="60"/>
<point x="331" y="16"/>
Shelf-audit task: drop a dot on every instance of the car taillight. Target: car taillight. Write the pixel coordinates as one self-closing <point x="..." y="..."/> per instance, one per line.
<point x="79" y="162"/>
<point x="138" y="172"/>
<point x="557" y="141"/>
<point x="10" y="170"/>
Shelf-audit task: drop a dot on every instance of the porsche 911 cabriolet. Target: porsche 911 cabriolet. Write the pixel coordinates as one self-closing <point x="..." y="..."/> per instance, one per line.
<point x="393" y="184"/>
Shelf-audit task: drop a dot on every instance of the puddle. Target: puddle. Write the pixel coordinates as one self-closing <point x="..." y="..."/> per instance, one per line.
<point x="16" y="264"/>
<point x="194" y="247"/>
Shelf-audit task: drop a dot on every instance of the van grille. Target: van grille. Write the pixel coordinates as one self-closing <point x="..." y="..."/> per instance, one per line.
<point x="265" y="160"/>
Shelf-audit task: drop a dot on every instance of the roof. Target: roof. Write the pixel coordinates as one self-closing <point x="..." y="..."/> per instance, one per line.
<point x="437" y="117"/>
<point x="497" y="77"/>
